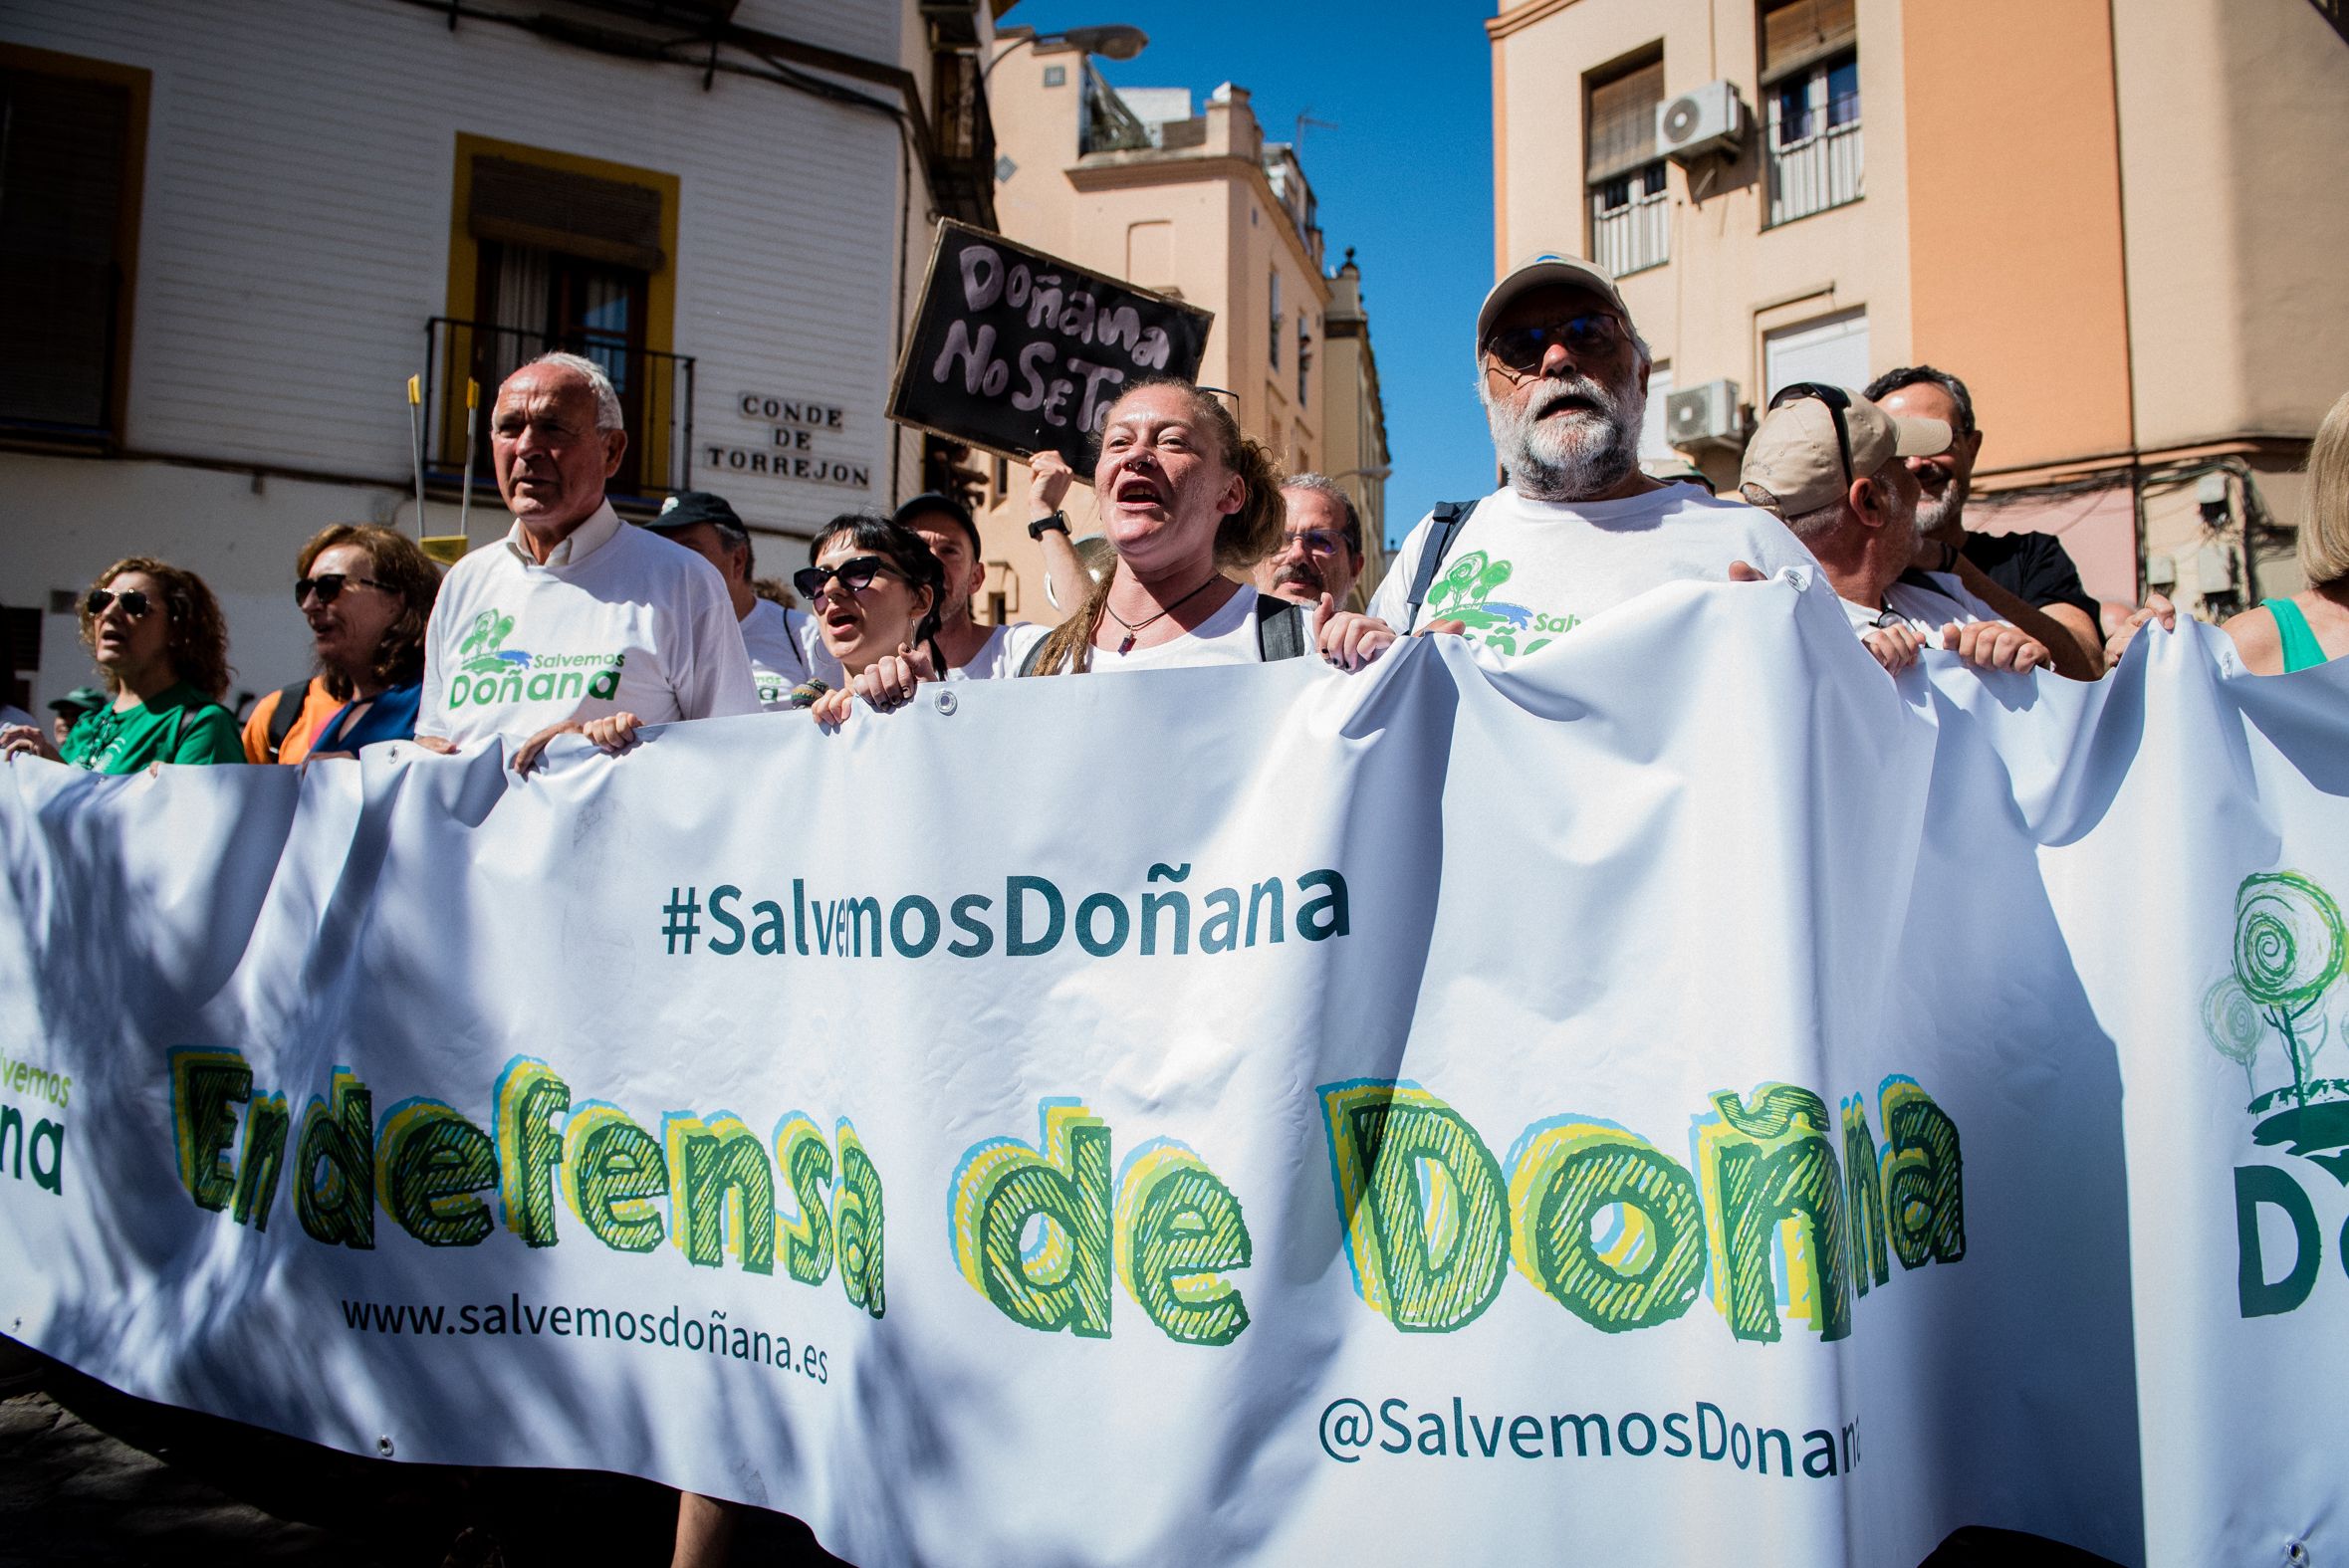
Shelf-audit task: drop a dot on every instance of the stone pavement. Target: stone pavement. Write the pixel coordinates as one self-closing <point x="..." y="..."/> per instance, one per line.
<point x="69" y="1492"/>
<point x="91" y="1475"/>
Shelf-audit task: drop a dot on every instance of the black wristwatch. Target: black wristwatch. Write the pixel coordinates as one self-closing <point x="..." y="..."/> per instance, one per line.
<point x="1042" y="526"/>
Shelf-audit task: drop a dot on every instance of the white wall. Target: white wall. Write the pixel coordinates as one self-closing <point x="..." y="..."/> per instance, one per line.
<point x="66" y="520"/>
<point x="295" y="233"/>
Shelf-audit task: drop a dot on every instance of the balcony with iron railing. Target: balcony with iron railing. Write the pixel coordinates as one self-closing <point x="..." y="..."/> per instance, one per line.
<point x="962" y="159"/>
<point x="655" y="392"/>
<point x="1813" y="150"/>
<point x="1631" y="222"/>
<point x="1815" y="172"/>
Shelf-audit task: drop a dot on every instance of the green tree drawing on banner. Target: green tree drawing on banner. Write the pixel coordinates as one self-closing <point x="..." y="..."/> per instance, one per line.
<point x="2236" y="1026"/>
<point x="2288" y="948"/>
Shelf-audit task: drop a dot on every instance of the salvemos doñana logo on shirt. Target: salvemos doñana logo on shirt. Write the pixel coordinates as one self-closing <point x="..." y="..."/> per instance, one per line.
<point x="489" y="672"/>
<point x="2283" y="986"/>
<point x="1465" y="594"/>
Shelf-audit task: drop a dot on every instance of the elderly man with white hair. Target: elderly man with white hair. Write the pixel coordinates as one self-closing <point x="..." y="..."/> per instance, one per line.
<point x="572" y="617"/>
<point x="1834" y="467"/>
<point x="1577" y="529"/>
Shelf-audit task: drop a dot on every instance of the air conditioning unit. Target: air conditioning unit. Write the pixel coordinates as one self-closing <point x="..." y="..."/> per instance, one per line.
<point x="1703" y="416"/>
<point x="1700" y="123"/>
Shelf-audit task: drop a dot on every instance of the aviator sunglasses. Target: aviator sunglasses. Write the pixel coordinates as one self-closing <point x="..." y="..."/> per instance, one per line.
<point x="135" y="603"/>
<point x="1838" y="401"/>
<point x="1523" y="348"/>
<point x="328" y="587"/>
<point x="854" y="574"/>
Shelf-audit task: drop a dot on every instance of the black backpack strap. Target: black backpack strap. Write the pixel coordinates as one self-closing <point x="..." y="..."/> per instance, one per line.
<point x="1449" y="518"/>
<point x="1035" y="654"/>
<point x="1280" y="630"/>
<point x="281" y="718"/>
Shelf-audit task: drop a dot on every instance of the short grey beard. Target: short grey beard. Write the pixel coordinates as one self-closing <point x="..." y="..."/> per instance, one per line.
<point x="1951" y="507"/>
<point x="1580" y="464"/>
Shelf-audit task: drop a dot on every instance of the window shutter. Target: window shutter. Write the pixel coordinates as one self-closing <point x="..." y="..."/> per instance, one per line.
<point x="577" y="215"/>
<point x="1623" y="121"/>
<point x="1801" y="32"/>
<point x="61" y="209"/>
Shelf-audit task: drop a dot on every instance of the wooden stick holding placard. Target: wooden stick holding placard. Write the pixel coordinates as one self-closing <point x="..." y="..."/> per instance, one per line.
<point x="447" y="548"/>
<point x="465" y="496"/>
<point x="416" y="444"/>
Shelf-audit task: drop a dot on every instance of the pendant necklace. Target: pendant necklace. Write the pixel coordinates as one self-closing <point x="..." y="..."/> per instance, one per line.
<point x="1133" y="628"/>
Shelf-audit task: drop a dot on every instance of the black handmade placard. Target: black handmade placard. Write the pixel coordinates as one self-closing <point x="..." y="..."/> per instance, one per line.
<point x="1020" y="352"/>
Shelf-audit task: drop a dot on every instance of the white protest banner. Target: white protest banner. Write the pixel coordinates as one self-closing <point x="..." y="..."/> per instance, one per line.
<point x="1656" y="1098"/>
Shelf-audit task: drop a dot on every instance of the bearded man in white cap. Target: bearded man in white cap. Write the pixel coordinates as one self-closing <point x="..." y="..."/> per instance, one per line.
<point x="1834" y="468"/>
<point x="1578" y="528"/>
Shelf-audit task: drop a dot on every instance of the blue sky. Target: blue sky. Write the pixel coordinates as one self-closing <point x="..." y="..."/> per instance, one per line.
<point x="1405" y="178"/>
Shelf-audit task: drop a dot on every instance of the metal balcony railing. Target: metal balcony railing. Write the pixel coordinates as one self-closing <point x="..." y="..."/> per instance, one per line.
<point x="1630" y="226"/>
<point x="656" y="391"/>
<point x="1814" y="173"/>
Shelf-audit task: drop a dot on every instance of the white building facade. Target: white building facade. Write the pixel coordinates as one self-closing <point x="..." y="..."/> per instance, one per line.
<point x="231" y="234"/>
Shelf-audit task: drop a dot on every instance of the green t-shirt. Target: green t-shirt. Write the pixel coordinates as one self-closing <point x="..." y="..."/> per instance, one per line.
<point x="181" y="725"/>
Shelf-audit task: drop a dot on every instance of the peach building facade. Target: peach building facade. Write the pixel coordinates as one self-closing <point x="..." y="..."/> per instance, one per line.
<point x="1195" y="204"/>
<point x="2118" y="224"/>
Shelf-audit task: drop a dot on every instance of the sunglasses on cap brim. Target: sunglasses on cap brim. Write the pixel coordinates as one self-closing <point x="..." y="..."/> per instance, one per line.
<point x="1836" y="399"/>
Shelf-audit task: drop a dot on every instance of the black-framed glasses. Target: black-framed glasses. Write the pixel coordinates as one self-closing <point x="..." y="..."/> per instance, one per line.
<point x="854" y="574"/>
<point x="1523" y="348"/>
<point x="328" y="587"/>
<point x="1836" y="399"/>
<point x="135" y="603"/>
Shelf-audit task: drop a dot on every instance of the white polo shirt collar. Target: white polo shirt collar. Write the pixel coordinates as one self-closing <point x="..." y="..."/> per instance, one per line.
<point x="601" y="527"/>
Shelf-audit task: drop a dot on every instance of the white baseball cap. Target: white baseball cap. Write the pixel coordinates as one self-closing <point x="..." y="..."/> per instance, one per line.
<point x="1547" y="269"/>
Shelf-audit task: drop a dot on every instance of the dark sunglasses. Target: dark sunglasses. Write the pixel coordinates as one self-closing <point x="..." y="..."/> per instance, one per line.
<point x="328" y="587"/>
<point x="135" y="603"/>
<point x="855" y="574"/>
<point x="1838" y="401"/>
<point x="1523" y="348"/>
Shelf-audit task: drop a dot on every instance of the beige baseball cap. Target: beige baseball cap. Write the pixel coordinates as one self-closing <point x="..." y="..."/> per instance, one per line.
<point x="1546" y="270"/>
<point x="1794" y="463"/>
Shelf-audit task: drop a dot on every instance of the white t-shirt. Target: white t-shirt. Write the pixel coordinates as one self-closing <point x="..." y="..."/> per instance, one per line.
<point x="993" y="660"/>
<point x="618" y="620"/>
<point x="786" y="649"/>
<point x="1520" y="572"/>
<point x="1229" y="636"/>
<point x="1926" y="609"/>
